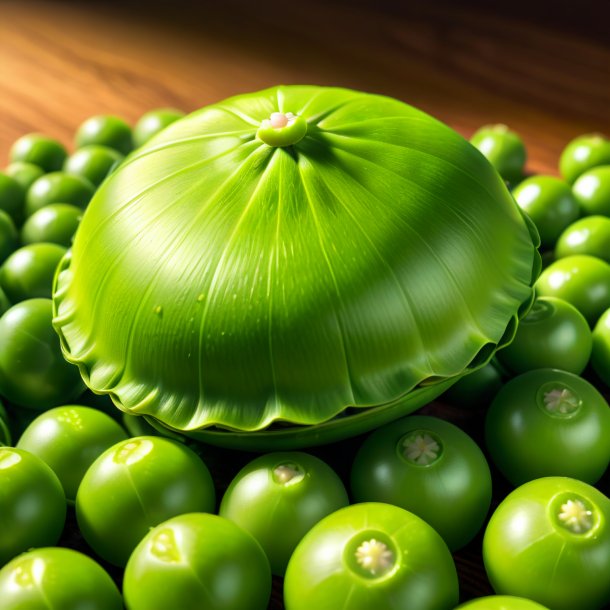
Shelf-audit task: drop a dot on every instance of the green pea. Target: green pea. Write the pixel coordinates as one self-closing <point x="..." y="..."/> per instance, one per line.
<point x="24" y="173"/>
<point x="9" y="239"/>
<point x="592" y="191"/>
<point x="151" y="123"/>
<point x="28" y="272"/>
<point x="589" y="235"/>
<point x="33" y="371"/>
<point x="93" y="162"/>
<point x="55" y="223"/>
<point x="32" y="505"/>
<point x="583" y="281"/>
<point x="58" y="187"/>
<point x="69" y="439"/>
<point x="12" y="197"/>
<point x="47" y="153"/>
<point x="106" y="130"/>
<point x="583" y="153"/>
<point x="503" y="148"/>
<point x="549" y="202"/>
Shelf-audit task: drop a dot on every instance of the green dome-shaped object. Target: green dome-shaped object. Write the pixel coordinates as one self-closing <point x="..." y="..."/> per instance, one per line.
<point x="227" y="277"/>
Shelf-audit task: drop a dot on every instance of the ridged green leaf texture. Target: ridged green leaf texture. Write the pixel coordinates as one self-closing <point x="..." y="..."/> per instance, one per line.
<point x="219" y="281"/>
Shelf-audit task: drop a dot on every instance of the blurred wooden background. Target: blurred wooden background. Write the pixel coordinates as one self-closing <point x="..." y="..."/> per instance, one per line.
<point x="542" y="67"/>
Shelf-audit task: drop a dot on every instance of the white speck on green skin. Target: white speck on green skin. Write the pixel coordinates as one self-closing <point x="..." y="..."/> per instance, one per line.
<point x="285" y="474"/>
<point x="561" y="401"/>
<point x="575" y="517"/>
<point x="374" y="557"/>
<point x="421" y="449"/>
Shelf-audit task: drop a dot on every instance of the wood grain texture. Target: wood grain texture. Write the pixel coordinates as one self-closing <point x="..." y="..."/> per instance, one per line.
<point x="62" y="62"/>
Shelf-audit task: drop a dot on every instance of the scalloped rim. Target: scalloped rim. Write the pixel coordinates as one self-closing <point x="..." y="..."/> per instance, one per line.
<point x="408" y="398"/>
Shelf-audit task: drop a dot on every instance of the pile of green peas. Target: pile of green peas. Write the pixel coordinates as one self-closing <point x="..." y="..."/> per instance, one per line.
<point x="100" y="510"/>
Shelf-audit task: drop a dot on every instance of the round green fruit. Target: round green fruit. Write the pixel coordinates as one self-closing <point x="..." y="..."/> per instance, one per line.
<point x="152" y="122"/>
<point x="549" y="541"/>
<point x="279" y="497"/>
<point x="32" y="504"/>
<point x="263" y="273"/>
<point x="55" y="223"/>
<point x="139" y="483"/>
<point x="57" y="579"/>
<point x="24" y="173"/>
<point x="582" y="280"/>
<point x="33" y="371"/>
<point x="549" y="202"/>
<point x="548" y="422"/>
<point x="589" y="235"/>
<point x="28" y="272"/>
<point x="592" y="191"/>
<point x="197" y="561"/>
<point x="371" y="555"/>
<point x="40" y="150"/>
<point x="424" y="464"/>
<point x="93" y="162"/>
<point x="583" y="153"/>
<point x="553" y="334"/>
<point x="105" y="130"/>
<point x="69" y="439"/>
<point x="503" y="148"/>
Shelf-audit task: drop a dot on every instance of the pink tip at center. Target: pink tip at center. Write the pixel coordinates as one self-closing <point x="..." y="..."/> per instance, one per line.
<point x="278" y="119"/>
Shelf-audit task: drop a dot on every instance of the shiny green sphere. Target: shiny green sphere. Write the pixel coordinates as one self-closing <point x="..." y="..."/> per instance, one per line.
<point x="371" y="555"/>
<point x="589" y="235"/>
<point x="93" y="162"/>
<point x="69" y="439"/>
<point x="592" y="191"/>
<point x="105" y="130"/>
<point x="290" y="491"/>
<point x="549" y="202"/>
<point x="583" y="153"/>
<point x="549" y="541"/>
<point x="582" y="280"/>
<point x="24" y="173"/>
<point x="47" y="153"/>
<point x="196" y="561"/>
<point x="152" y="122"/>
<point x="33" y="371"/>
<point x="548" y="422"/>
<point x="139" y="483"/>
<point x="12" y="197"/>
<point x="58" y="187"/>
<point x="57" y="579"/>
<point x="55" y="223"/>
<point x="553" y="334"/>
<point x="32" y="505"/>
<point x="503" y="148"/>
<point x="28" y="272"/>
<point x="425" y="464"/>
<point x="9" y="238"/>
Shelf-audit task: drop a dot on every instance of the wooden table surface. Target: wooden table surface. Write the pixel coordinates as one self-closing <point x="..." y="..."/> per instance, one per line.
<point x="61" y="62"/>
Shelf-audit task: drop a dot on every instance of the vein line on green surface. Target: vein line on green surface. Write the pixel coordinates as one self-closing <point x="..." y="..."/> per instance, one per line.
<point x="304" y="182"/>
<point x="442" y="264"/>
<point x="219" y="264"/>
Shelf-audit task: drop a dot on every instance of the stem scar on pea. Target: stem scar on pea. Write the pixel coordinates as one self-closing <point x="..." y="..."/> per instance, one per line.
<point x="164" y="547"/>
<point x="421" y="447"/>
<point x="575" y="516"/>
<point x="558" y="400"/>
<point x="282" y="129"/>
<point x="375" y="557"/>
<point x="288" y="474"/>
